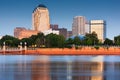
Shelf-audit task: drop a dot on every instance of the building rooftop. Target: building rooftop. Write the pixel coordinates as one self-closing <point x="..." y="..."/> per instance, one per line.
<point x="40" y="6"/>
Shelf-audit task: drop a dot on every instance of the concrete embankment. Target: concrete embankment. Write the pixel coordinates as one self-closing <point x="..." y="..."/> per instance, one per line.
<point x="66" y="51"/>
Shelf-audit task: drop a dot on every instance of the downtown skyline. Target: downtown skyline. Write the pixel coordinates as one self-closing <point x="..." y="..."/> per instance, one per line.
<point x="18" y="13"/>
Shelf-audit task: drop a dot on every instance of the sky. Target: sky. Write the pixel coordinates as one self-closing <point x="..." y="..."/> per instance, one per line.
<point x="18" y="13"/>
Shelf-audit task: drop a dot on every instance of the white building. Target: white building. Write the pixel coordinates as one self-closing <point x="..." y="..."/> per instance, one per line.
<point x="98" y="26"/>
<point x="51" y="31"/>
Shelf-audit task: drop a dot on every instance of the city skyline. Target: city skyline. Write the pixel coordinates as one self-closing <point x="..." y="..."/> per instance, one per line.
<point x="15" y="13"/>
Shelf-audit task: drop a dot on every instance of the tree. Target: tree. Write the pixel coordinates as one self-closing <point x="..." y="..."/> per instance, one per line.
<point x="117" y="40"/>
<point x="91" y="39"/>
<point x="53" y="40"/>
<point x="108" y="42"/>
<point x="33" y="39"/>
<point x="61" y="41"/>
<point x="77" y="40"/>
<point x="10" y="41"/>
<point x="40" y="40"/>
<point x="69" y="41"/>
<point x="27" y="40"/>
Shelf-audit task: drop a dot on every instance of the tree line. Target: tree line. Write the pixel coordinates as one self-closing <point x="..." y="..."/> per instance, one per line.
<point x="57" y="41"/>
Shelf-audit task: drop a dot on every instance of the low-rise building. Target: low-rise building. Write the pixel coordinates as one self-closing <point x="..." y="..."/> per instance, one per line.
<point x="51" y="31"/>
<point x="69" y="34"/>
<point x="21" y="32"/>
<point x="62" y="31"/>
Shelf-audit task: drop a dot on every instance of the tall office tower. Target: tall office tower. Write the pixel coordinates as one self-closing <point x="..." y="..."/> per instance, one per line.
<point x="78" y="26"/>
<point x="40" y="18"/>
<point x="98" y="26"/>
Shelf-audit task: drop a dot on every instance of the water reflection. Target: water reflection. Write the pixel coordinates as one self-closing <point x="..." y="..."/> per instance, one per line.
<point x="41" y="69"/>
<point x="59" y="68"/>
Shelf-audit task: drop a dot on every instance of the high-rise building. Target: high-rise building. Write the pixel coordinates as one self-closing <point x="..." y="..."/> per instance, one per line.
<point x="40" y="18"/>
<point x="99" y="27"/>
<point x="78" y="26"/>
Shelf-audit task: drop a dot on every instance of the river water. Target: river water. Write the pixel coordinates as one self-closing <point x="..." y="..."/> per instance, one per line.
<point x="27" y="67"/>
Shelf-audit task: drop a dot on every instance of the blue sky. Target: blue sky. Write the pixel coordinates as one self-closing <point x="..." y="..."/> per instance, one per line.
<point x="18" y="13"/>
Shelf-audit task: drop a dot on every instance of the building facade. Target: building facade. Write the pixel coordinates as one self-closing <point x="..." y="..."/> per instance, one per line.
<point x="21" y="32"/>
<point x="62" y="31"/>
<point x="54" y="26"/>
<point x="69" y="34"/>
<point x="78" y="26"/>
<point x="99" y="27"/>
<point x="51" y="31"/>
<point x="40" y="18"/>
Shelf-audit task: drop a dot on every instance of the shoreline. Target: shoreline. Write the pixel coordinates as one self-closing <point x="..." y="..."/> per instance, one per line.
<point x="66" y="51"/>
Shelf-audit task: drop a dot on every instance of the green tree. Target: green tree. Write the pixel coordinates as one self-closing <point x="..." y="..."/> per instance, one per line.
<point x="117" y="40"/>
<point x="27" y="40"/>
<point x="77" y="40"/>
<point x="53" y="40"/>
<point x="69" y="41"/>
<point x="40" y="40"/>
<point x="91" y="39"/>
<point x="108" y="42"/>
<point x="61" y="41"/>
<point x="10" y="41"/>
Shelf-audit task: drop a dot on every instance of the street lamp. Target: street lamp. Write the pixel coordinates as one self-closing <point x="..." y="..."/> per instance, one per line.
<point x="4" y="43"/>
<point x="20" y="45"/>
<point x="3" y="46"/>
<point x="25" y="47"/>
<point x="25" y="43"/>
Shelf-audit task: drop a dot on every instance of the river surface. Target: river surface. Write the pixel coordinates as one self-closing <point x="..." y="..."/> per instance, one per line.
<point x="27" y="67"/>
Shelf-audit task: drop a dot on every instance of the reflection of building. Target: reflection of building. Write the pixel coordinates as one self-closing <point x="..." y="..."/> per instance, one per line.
<point x="20" y="33"/>
<point x="112" y="69"/>
<point x="78" y="26"/>
<point x="59" y="70"/>
<point x="21" y="71"/>
<point x="41" y="69"/>
<point x="89" y="70"/>
<point x="69" y="34"/>
<point x="40" y="18"/>
<point x="98" y="26"/>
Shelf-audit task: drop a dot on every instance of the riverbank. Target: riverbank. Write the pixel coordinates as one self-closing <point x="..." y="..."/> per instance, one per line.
<point x="66" y="51"/>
